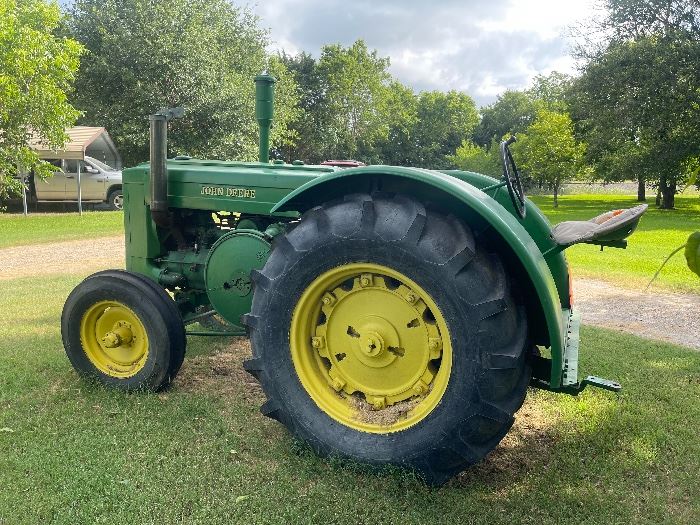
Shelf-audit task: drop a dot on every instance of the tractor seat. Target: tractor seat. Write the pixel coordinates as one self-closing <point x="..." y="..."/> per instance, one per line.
<point x="614" y="225"/>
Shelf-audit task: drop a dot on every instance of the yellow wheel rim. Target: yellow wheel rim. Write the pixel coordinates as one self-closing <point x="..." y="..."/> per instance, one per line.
<point x="114" y="339"/>
<point x="370" y="347"/>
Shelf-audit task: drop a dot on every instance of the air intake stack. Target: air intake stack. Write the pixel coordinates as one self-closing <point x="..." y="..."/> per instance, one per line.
<point x="264" y="108"/>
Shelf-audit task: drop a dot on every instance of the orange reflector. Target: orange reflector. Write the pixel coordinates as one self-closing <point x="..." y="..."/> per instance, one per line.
<point x="571" y="290"/>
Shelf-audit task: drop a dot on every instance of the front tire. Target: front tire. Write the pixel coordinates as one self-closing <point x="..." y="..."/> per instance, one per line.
<point x="123" y="331"/>
<point x="383" y="333"/>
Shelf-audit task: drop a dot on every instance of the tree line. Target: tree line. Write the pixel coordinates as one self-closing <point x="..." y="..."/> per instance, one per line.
<point x="631" y="113"/>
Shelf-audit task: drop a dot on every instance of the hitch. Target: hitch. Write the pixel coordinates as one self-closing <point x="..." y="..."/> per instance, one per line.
<point x="594" y="381"/>
<point x="575" y="388"/>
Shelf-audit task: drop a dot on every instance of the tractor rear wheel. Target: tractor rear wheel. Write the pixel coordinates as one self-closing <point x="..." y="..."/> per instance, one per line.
<point x="383" y="333"/>
<point x="124" y="331"/>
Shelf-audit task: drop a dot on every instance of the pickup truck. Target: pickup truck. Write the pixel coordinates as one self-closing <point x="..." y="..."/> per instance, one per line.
<point x="98" y="181"/>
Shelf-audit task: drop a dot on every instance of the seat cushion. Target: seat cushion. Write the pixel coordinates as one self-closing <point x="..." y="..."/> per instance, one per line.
<point x="606" y="224"/>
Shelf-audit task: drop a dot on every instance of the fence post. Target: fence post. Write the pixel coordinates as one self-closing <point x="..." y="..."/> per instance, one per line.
<point x="80" y="193"/>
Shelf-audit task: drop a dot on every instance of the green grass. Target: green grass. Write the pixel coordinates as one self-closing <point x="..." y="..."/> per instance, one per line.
<point x="17" y="230"/>
<point x="659" y="233"/>
<point x="71" y="452"/>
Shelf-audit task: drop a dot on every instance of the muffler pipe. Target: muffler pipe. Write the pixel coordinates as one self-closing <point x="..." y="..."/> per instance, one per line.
<point x="159" y="167"/>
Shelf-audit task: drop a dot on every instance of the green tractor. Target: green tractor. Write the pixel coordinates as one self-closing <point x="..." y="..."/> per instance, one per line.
<point x="396" y="315"/>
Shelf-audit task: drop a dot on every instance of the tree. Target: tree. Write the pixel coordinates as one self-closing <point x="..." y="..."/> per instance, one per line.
<point x="548" y="150"/>
<point x="354" y="82"/>
<point x="308" y="124"/>
<point x="637" y="97"/>
<point x="632" y="19"/>
<point x="37" y="69"/>
<point x="344" y="100"/>
<point x="401" y="110"/>
<point x="199" y="54"/>
<point x="444" y="120"/>
<point x="512" y="112"/>
<point x="551" y="91"/>
<point x="642" y="126"/>
<point x="470" y="157"/>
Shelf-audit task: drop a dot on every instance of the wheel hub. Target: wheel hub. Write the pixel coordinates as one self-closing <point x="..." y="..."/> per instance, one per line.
<point x="379" y="338"/>
<point x="114" y="339"/>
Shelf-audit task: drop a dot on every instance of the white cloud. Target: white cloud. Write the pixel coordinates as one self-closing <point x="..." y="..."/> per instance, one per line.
<point x="479" y="47"/>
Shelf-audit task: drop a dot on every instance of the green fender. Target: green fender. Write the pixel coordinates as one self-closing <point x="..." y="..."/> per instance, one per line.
<point x="463" y="200"/>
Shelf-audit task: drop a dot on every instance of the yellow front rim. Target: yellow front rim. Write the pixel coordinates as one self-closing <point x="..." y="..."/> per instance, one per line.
<point x="114" y="339"/>
<point x="370" y="347"/>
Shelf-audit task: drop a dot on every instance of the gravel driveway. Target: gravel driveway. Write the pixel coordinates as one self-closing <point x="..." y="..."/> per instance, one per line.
<point x="665" y="316"/>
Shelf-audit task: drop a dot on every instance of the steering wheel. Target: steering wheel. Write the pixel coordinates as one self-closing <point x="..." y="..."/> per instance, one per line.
<point x="512" y="178"/>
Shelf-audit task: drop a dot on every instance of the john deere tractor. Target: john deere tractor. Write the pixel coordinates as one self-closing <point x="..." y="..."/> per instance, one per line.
<point x="396" y="315"/>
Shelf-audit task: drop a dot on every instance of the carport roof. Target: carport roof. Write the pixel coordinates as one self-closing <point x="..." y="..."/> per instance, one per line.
<point x="79" y="138"/>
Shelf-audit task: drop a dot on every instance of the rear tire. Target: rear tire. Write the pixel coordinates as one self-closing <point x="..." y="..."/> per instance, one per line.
<point x="151" y="353"/>
<point x="484" y="324"/>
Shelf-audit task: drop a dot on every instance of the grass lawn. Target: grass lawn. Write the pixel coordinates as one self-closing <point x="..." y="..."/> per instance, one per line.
<point x="71" y="452"/>
<point x="16" y="230"/>
<point x="659" y="233"/>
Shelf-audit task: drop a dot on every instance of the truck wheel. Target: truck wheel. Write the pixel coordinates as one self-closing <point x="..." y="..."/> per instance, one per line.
<point x="124" y="331"/>
<point x="383" y="333"/>
<point x="115" y="199"/>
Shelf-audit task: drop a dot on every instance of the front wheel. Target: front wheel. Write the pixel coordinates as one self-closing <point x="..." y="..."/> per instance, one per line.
<point x="124" y="331"/>
<point x="382" y="332"/>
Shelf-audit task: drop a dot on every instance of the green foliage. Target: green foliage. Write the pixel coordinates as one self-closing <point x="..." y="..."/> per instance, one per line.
<point x="551" y="91"/>
<point x="512" y="113"/>
<point x="401" y="106"/>
<point x="354" y="81"/>
<point x="200" y="54"/>
<point x="444" y="121"/>
<point x="307" y="125"/>
<point x="344" y="101"/>
<point x="36" y="71"/>
<point x="354" y="109"/>
<point x="470" y="157"/>
<point x="630" y="19"/>
<point x="548" y="150"/>
<point x="643" y="126"/>
<point x="692" y="253"/>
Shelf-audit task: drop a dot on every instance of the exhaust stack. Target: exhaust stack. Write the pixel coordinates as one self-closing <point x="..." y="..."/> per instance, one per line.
<point x="158" y="159"/>
<point x="264" y="108"/>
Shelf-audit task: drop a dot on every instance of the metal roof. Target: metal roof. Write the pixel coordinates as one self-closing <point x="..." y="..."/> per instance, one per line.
<point x="79" y="139"/>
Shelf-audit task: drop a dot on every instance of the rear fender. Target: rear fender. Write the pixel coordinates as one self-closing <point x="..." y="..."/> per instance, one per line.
<point x="479" y="210"/>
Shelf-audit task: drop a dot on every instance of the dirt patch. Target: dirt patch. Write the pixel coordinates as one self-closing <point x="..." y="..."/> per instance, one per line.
<point x="366" y="413"/>
<point x="527" y="444"/>
<point x="66" y="257"/>
<point x="221" y="374"/>
<point x="655" y="314"/>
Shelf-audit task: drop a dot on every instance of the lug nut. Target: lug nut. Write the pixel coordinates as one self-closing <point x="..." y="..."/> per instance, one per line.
<point x="420" y="387"/>
<point x="378" y="402"/>
<point x="411" y="297"/>
<point x="338" y="384"/>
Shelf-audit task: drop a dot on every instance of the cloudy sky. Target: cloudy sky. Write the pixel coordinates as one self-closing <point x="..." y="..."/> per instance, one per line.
<point x="479" y="47"/>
